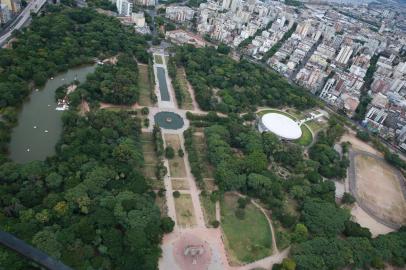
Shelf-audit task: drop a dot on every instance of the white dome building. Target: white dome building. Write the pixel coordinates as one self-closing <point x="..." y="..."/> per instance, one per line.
<point x="281" y="125"/>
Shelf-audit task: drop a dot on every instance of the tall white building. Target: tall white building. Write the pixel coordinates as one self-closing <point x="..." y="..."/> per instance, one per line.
<point x="124" y="7"/>
<point x="344" y="55"/>
<point x="145" y="2"/>
<point x="179" y="13"/>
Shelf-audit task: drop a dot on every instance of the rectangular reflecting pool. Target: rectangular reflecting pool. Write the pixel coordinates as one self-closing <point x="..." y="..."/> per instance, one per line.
<point x="163" y="87"/>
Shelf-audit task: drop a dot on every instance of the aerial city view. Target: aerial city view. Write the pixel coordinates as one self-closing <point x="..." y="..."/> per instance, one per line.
<point x="202" y="134"/>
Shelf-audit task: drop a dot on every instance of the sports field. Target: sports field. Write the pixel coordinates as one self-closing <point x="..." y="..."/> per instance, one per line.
<point x="378" y="186"/>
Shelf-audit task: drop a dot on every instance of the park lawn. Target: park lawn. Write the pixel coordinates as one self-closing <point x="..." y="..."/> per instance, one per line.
<point x="184" y="211"/>
<point x="187" y="102"/>
<point x="144" y="86"/>
<point x="180" y="184"/>
<point x="316" y="126"/>
<point x="261" y="113"/>
<point x="150" y="159"/>
<point x="209" y="209"/>
<point x="249" y="239"/>
<point x="306" y="138"/>
<point x="177" y="167"/>
<point x="161" y="203"/>
<point x="158" y="59"/>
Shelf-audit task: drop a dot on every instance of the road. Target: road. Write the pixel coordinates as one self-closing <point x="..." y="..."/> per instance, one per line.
<point x="22" y="18"/>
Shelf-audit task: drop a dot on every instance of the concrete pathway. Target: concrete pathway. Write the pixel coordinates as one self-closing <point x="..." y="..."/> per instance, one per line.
<point x="212" y="236"/>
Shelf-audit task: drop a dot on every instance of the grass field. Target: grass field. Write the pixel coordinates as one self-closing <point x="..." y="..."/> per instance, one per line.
<point x="306" y="138"/>
<point x="209" y="209"/>
<point x="144" y="85"/>
<point x="248" y="239"/>
<point x="158" y="59"/>
<point x="188" y="102"/>
<point x="184" y="211"/>
<point x="177" y="164"/>
<point x="150" y="159"/>
<point x="379" y="188"/>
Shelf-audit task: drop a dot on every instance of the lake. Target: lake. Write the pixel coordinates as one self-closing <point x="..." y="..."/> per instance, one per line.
<point x="39" y="124"/>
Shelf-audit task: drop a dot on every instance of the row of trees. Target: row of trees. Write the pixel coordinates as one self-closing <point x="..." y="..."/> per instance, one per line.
<point x="280" y="42"/>
<point x="179" y="92"/>
<point x="223" y="84"/>
<point x="195" y="161"/>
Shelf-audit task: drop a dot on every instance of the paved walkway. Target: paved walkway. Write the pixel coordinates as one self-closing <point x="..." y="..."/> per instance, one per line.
<point x="211" y="236"/>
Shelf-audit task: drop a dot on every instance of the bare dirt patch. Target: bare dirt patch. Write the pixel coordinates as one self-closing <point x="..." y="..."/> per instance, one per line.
<point x="378" y="186"/>
<point x="358" y="144"/>
<point x="365" y="220"/>
<point x="180" y="184"/>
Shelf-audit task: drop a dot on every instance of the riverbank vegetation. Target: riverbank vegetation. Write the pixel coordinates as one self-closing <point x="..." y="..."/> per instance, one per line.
<point x="223" y="84"/>
<point x="115" y="84"/>
<point x="60" y="39"/>
<point x="89" y="205"/>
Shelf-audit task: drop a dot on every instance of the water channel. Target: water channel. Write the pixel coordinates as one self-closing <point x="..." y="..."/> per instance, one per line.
<point x="163" y="87"/>
<point x="39" y="124"/>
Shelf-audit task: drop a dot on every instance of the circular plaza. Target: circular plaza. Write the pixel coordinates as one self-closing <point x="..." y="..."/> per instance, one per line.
<point x="281" y="125"/>
<point x="169" y="120"/>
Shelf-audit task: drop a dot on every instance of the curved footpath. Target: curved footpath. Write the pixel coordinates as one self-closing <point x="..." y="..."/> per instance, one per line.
<point x="31" y="252"/>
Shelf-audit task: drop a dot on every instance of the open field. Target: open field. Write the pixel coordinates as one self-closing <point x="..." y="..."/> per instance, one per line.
<point x="365" y="220"/>
<point x="209" y="209"/>
<point x="177" y="164"/>
<point x="247" y="239"/>
<point x="158" y="59"/>
<point x="307" y="136"/>
<point x="184" y="211"/>
<point x="150" y="159"/>
<point x="180" y="184"/>
<point x="317" y="125"/>
<point x="358" y="144"/>
<point x="187" y="102"/>
<point x="378" y="186"/>
<point x="144" y="86"/>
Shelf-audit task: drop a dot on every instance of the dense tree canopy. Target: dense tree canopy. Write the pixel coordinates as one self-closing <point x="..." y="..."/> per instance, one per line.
<point x="116" y="84"/>
<point x="238" y="85"/>
<point x="89" y="203"/>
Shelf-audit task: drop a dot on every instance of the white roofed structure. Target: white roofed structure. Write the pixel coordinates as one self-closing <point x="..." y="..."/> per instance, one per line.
<point x="281" y="125"/>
